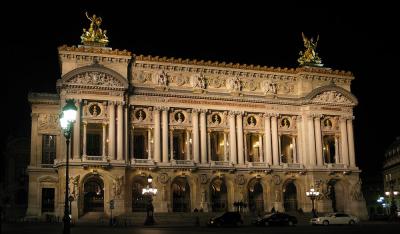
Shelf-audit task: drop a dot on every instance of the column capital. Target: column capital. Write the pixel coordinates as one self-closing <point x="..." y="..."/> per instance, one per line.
<point x="232" y="113"/>
<point x="110" y="103"/>
<point x="158" y="108"/>
<point x="345" y="118"/>
<point x="298" y="118"/>
<point x="104" y="124"/>
<point x="196" y="110"/>
<point x="34" y="115"/>
<point x="84" y="122"/>
<point x="317" y="116"/>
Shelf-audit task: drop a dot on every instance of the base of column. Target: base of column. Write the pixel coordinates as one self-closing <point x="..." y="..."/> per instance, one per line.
<point x="278" y="206"/>
<point x="204" y="206"/>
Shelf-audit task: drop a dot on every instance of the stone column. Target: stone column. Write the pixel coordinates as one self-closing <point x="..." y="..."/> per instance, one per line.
<point x="84" y="141"/>
<point x="299" y="146"/>
<point x="157" y="135"/>
<point x="111" y="131"/>
<point x="203" y="136"/>
<point x="350" y="134"/>
<point x="126" y="153"/>
<point x="195" y="144"/>
<point x="275" y="144"/>
<point x="103" y="153"/>
<point x="35" y="139"/>
<point x="187" y="145"/>
<point x="209" y="146"/>
<point x="149" y="155"/>
<point x="120" y="132"/>
<point x="76" y="137"/>
<point x="232" y="137"/>
<point x="132" y="142"/>
<point x="280" y="146"/>
<point x="171" y="144"/>
<point x="268" y="145"/>
<point x="318" y="140"/>
<point x="239" y="119"/>
<point x="294" y="148"/>
<point x="225" y="147"/>
<point x="246" y="153"/>
<point x="337" y="158"/>
<point x="345" y="147"/>
<point x="165" y="135"/>
<point x="260" y="147"/>
<point x="311" y="142"/>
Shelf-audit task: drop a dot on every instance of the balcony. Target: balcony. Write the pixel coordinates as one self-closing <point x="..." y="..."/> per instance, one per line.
<point x="182" y="163"/>
<point x="221" y="164"/>
<point x="142" y="162"/>
<point x="258" y="165"/>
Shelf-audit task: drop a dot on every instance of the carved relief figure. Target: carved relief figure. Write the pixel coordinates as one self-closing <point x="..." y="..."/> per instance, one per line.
<point x="270" y="88"/>
<point x="356" y="193"/>
<point x="235" y="84"/>
<point x="117" y="184"/>
<point x="162" y="79"/>
<point x="73" y="186"/>
<point x="277" y="196"/>
<point x="332" y="96"/>
<point x="199" y="81"/>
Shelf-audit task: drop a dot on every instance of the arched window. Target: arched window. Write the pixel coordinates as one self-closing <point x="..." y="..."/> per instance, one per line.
<point x="287" y="148"/>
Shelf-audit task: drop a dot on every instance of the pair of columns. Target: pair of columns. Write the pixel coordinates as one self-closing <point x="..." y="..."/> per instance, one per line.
<point x="199" y="138"/>
<point x="112" y="152"/>
<point x="315" y="141"/>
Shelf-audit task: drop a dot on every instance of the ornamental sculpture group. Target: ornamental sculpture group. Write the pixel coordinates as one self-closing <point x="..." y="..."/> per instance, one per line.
<point x="94" y="35"/>
<point x="309" y="57"/>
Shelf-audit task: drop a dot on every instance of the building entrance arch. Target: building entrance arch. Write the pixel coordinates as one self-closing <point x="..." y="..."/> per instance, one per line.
<point x="256" y="198"/>
<point x="290" y="197"/>
<point x="93" y="190"/>
<point x="219" y="196"/>
<point x="180" y="195"/>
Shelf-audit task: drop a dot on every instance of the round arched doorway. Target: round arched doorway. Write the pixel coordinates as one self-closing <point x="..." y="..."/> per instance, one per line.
<point x="290" y="197"/>
<point x="93" y="190"/>
<point x="256" y="200"/>
<point x="219" y="201"/>
<point x="180" y="195"/>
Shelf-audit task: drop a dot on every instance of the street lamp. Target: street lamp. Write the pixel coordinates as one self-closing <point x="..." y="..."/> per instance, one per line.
<point x="67" y="118"/>
<point x="150" y="192"/>
<point x="312" y="194"/>
<point x="391" y="194"/>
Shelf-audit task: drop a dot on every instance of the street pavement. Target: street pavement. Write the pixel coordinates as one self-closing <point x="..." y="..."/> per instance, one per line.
<point x="46" y="228"/>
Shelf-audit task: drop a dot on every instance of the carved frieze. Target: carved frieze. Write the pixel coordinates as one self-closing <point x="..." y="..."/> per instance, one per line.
<point x="95" y="78"/>
<point x="48" y="121"/>
<point x="331" y="97"/>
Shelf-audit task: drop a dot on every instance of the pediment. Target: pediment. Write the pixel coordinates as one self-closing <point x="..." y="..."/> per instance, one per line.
<point x="331" y="97"/>
<point x="94" y="77"/>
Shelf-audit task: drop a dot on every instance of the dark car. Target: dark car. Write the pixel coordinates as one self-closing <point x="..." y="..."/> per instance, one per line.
<point x="226" y="219"/>
<point x="276" y="219"/>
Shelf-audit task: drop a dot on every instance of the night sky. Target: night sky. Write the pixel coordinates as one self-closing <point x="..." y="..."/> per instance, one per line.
<point x="362" y="39"/>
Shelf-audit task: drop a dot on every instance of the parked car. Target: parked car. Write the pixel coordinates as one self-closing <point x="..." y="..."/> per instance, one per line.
<point x="335" y="218"/>
<point x="281" y="219"/>
<point x="226" y="219"/>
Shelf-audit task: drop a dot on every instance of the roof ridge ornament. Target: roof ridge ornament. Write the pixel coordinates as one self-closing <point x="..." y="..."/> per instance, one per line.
<point x="309" y="57"/>
<point x="94" y="36"/>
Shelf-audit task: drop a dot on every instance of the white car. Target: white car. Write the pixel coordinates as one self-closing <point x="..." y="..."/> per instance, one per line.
<point x="335" y="218"/>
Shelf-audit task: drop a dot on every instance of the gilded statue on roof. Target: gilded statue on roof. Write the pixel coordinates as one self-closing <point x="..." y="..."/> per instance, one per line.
<point x="94" y="35"/>
<point x="309" y="57"/>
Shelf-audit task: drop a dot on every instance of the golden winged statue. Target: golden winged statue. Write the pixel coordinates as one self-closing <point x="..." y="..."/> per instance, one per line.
<point x="309" y="57"/>
<point x="94" y="36"/>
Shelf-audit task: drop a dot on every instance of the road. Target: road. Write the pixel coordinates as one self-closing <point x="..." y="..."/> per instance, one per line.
<point x="43" y="228"/>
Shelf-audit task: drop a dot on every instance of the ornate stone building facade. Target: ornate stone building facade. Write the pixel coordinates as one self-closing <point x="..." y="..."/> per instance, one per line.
<point x="391" y="173"/>
<point x="210" y="134"/>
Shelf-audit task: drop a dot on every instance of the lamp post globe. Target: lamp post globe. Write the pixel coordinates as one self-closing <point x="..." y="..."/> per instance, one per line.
<point x="312" y="194"/>
<point x="149" y="191"/>
<point x="67" y="118"/>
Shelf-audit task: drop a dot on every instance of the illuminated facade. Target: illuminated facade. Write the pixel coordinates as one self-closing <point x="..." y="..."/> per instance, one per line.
<point x="210" y="134"/>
